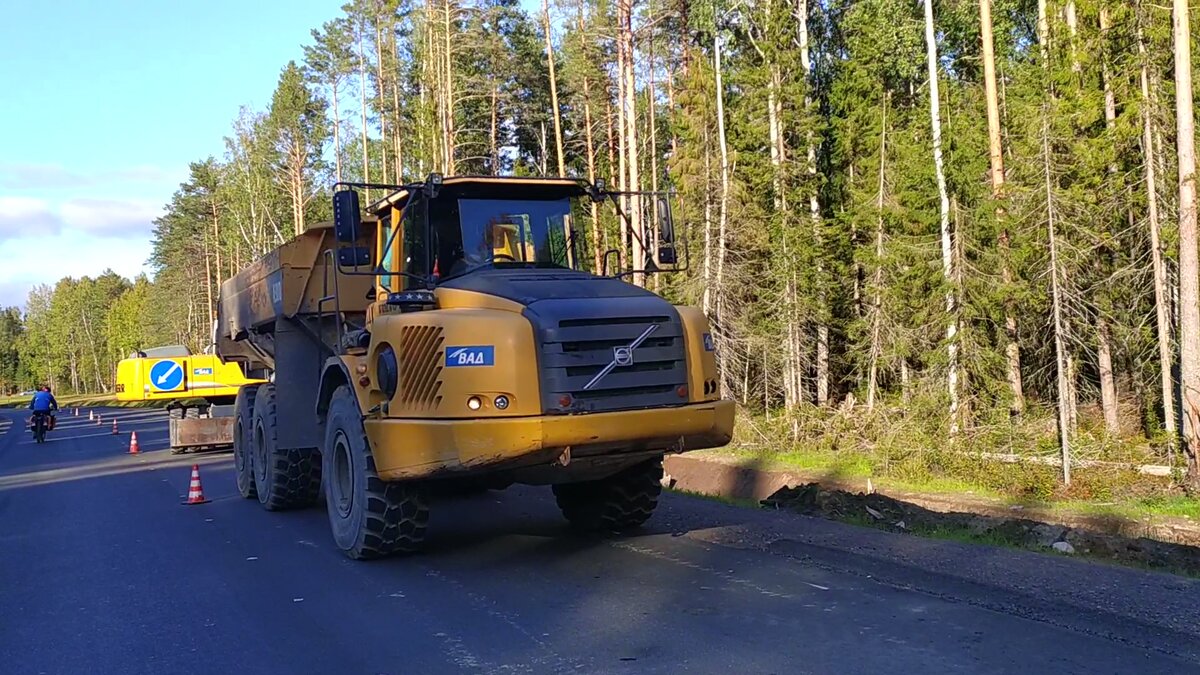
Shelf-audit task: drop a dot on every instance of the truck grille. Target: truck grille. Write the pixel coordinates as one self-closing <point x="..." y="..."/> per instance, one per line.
<point x="578" y="350"/>
<point x="419" y="357"/>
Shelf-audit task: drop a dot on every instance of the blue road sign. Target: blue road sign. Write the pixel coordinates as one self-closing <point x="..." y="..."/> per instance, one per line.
<point x="166" y="375"/>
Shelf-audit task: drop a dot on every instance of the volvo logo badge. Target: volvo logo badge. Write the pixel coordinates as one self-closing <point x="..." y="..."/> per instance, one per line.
<point x="622" y="356"/>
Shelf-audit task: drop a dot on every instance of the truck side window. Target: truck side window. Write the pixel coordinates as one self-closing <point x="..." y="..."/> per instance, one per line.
<point x="386" y="261"/>
<point x="416" y="258"/>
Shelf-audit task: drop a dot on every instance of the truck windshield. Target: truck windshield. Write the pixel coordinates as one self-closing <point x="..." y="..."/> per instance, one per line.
<point x="476" y="233"/>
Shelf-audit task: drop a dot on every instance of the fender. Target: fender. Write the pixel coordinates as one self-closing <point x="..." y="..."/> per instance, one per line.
<point x="335" y="373"/>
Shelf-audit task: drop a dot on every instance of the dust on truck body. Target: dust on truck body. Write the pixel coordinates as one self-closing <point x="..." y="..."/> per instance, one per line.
<point x="447" y="334"/>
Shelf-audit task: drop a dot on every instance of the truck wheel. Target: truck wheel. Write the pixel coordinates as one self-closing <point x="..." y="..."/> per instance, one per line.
<point x="370" y="518"/>
<point x="283" y="479"/>
<point x="243" y="453"/>
<point x="614" y="504"/>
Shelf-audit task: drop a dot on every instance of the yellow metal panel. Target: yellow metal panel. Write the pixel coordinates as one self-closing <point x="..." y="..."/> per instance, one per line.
<point x="457" y="298"/>
<point x="702" y="363"/>
<point x="513" y="373"/>
<point x="405" y="449"/>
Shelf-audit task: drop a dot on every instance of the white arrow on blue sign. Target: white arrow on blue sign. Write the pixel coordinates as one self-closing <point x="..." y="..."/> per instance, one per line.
<point x="166" y="375"/>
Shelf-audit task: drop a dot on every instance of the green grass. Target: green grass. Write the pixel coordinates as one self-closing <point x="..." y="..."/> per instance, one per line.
<point x="1171" y="506"/>
<point x="1124" y="495"/>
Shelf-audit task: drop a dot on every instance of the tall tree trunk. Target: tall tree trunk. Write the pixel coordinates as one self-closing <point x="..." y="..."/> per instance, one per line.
<point x="1162" y="319"/>
<point x="707" y="294"/>
<point x="448" y="90"/>
<point x="935" y="123"/>
<point x="493" y="145"/>
<point x="877" y="282"/>
<point x="216" y="229"/>
<point x="637" y="238"/>
<point x="814" y="208"/>
<point x="651" y="252"/>
<point x="1063" y="367"/>
<point x="622" y="157"/>
<point x="1189" y="269"/>
<point x="380" y="93"/>
<point x="723" y="211"/>
<point x="337" y="132"/>
<point x="590" y="151"/>
<point x="362" y="101"/>
<point x="558" y="139"/>
<point x="208" y="281"/>
<point x="1108" y="387"/>
<point x="399" y="153"/>
<point x="1012" y="349"/>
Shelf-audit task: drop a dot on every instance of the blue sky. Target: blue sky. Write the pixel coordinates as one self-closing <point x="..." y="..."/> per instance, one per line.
<point x="102" y="106"/>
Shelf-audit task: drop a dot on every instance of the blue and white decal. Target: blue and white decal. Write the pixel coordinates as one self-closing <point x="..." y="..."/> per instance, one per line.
<point x="475" y="355"/>
<point x="201" y="371"/>
<point x="708" y="342"/>
<point x="166" y="375"/>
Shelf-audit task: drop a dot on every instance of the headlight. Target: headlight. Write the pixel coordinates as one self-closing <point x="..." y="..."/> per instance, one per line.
<point x="386" y="370"/>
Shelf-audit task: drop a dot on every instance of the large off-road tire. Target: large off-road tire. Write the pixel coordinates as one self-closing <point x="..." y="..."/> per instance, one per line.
<point x="620" y="502"/>
<point x="370" y="518"/>
<point x="243" y="435"/>
<point x="283" y="478"/>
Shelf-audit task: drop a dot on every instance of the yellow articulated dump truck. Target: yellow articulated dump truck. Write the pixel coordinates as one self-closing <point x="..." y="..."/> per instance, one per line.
<point x="199" y="390"/>
<point x="449" y="333"/>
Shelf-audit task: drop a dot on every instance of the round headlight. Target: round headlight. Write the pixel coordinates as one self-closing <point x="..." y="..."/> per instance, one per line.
<point x="386" y="371"/>
<point x="474" y="403"/>
<point x="501" y="402"/>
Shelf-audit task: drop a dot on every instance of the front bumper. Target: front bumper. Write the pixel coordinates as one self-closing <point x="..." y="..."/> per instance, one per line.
<point x="420" y="448"/>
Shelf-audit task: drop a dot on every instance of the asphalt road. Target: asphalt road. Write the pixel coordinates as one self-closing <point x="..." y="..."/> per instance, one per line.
<point x="102" y="570"/>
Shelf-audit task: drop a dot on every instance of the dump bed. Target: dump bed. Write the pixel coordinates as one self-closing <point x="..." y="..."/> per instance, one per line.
<point x="287" y="284"/>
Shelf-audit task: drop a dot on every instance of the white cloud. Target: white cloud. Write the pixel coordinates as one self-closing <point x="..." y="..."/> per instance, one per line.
<point x="109" y="216"/>
<point x="24" y="216"/>
<point x="54" y="176"/>
<point x="44" y="260"/>
<point x="30" y="216"/>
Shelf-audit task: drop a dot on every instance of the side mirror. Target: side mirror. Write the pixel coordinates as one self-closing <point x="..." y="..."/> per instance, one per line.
<point x="346" y="216"/>
<point x="354" y="256"/>
<point x="667" y="254"/>
<point x="666" y="226"/>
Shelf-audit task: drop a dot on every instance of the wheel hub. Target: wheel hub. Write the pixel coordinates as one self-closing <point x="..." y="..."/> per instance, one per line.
<point x="342" y="481"/>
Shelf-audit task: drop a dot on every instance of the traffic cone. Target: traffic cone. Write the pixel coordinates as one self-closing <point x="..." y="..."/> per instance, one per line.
<point x="195" y="492"/>
<point x="133" y="444"/>
<point x="114" y="427"/>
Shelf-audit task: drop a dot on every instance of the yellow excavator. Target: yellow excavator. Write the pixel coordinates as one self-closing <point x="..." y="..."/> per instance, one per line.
<point x="448" y="333"/>
<point x="199" y="389"/>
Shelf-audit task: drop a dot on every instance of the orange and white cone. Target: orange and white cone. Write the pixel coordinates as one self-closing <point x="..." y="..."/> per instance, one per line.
<point x="133" y="444"/>
<point x="114" y="427"/>
<point x="195" y="492"/>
